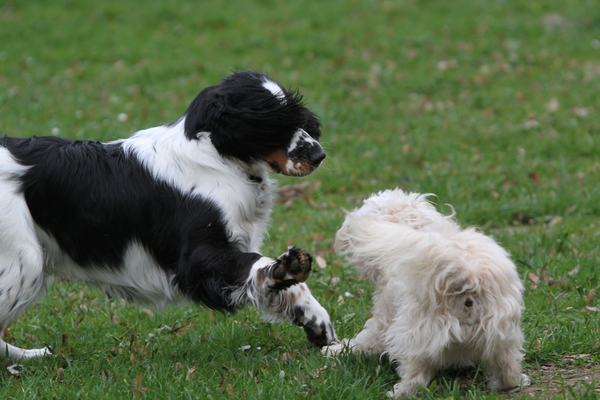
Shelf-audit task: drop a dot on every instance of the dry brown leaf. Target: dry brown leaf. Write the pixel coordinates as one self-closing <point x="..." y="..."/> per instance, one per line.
<point x="288" y="193"/>
<point x="574" y="271"/>
<point x="230" y="390"/>
<point x="575" y="356"/>
<point x="148" y="313"/>
<point x="137" y="386"/>
<point x="132" y="359"/>
<point x="552" y="105"/>
<point x="60" y="372"/>
<point x="591" y="295"/>
<point x="190" y="373"/>
<point x="32" y="337"/>
<point x="535" y="280"/>
<point x="592" y="308"/>
<point x="222" y="384"/>
<point x="554" y="221"/>
<point x="321" y="262"/>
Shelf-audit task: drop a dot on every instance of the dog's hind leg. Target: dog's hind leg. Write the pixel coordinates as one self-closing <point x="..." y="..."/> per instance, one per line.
<point x="276" y="288"/>
<point x="506" y="371"/>
<point x="21" y="265"/>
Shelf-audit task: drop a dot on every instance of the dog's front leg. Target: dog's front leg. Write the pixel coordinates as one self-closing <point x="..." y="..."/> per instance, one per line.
<point x="276" y="288"/>
<point x="369" y="341"/>
<point x="415" y="373"/>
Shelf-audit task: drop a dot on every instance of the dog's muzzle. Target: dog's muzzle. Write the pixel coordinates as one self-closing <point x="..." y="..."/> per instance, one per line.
<point x="301" y="158"/>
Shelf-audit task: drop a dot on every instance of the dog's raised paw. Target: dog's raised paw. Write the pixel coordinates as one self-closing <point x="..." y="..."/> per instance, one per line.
<point x="292" y="267"/>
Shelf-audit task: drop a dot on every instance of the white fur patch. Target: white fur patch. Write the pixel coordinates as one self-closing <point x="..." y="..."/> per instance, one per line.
<point x="444" y="296"/>
<point x="196" y="168"/>
<point x="275" y="90"/>
<point x="301" y="135"/>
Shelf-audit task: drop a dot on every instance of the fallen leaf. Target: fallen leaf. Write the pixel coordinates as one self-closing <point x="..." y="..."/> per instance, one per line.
<point x="591" y="295"/>
<point x="60" y="372"/>
<point x="222" y="383"/>
<point x="321" y="262"/>
<point x="554" y="221"/>
<point x="591" y="308"/>
<point x="230" y="390"/>
<point x="137" y="386"/>
<point x="288" y="193"/>
<point x="32" y="337"/>
<point x="575" y="356"/>
<point x="318" y="237"/>
<point x="148" y="312"/>
<point x="560" y="296"/>
<point x="132" y="359"/>
<point x="574" y="271"/>
<point x="535" y="177"/>
<point x="581" y="111"/>
<point x="190" y="372"/>
<point x="552" y="105"/>
<point x="535" y="281"/>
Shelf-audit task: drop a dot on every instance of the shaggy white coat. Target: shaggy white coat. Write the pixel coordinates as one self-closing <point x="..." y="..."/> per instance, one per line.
<point x="443" y="296"/>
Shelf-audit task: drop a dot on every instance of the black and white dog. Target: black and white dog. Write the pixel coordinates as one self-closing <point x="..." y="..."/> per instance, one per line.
<point x="174" y="213"/>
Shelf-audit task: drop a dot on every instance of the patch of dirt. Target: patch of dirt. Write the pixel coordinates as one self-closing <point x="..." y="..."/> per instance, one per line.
<point x="559" y="380"/>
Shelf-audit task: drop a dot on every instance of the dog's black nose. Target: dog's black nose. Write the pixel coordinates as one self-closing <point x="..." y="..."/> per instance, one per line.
<point x="317" y="156"/>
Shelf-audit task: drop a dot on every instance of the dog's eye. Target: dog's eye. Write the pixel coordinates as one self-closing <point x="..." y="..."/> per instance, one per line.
<point x="468" y="303"/>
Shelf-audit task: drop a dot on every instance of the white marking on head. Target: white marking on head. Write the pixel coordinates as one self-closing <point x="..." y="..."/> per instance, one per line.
<point x="300" y="135"/>
<point x="275" y="89"/>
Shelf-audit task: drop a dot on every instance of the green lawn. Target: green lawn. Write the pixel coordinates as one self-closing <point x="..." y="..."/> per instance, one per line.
<point x="494" y="106"/>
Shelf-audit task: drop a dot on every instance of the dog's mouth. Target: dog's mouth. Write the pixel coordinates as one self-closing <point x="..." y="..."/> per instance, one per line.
<point x="281" y="164"/>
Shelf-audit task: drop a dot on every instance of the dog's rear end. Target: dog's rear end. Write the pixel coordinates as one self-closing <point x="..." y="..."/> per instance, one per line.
<point x="444" y="296"/>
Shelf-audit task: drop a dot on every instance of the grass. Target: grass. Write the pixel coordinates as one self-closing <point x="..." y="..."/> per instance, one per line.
<point x="492" y="106"/>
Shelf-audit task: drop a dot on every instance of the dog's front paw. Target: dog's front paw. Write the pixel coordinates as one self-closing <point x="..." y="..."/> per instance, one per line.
<point x="335" y="348"/>
<point x="292" y="267"/>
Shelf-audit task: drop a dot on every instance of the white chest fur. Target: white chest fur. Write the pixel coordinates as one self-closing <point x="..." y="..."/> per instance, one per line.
<point x="196" y="168"/>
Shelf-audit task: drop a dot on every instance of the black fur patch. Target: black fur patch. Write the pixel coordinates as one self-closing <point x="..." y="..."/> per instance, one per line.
<point x="246" y="120"/>
<point x="95" y="200"/>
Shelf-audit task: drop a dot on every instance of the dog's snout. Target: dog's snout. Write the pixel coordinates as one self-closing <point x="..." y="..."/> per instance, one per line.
<point x="316" y="156"/>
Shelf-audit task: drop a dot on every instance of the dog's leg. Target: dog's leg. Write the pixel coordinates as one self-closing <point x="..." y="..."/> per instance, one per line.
<point x="506" y="371"/>
<point x="369" y="341"/>
<point x="17" y="353"/>
<point x="21" y="266"/>
<point x="414" y="374"/>
<point x="276" y="287"/>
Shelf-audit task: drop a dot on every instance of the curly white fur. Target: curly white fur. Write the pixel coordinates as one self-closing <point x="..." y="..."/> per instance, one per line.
<point x="444" y="296"/>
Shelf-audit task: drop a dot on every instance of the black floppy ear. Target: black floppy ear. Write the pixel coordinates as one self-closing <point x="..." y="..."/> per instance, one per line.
<point x="203" y="113"/>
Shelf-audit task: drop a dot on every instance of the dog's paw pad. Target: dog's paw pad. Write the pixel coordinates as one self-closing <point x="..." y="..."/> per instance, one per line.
<point x="294" y="265"/>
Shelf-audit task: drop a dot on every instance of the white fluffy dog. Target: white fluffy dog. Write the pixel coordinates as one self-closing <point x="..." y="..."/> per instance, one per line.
<point x="444" y="296"/>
